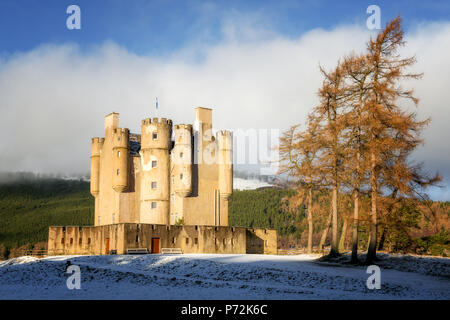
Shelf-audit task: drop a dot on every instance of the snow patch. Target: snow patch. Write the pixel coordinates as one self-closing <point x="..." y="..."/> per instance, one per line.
<point x="216" y="276"/>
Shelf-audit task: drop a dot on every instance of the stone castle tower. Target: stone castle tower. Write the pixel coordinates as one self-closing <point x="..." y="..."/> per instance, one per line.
<point x="150" y="178"/>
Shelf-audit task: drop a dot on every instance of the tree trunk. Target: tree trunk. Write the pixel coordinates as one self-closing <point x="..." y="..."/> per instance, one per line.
<point x="355" y="228"/>
<point x="382" y="239"/>
<point x="343" y="236"/>
<point x="354" y="258"/>
<point x="372" y="249"/>
<point x="334" y="227"/>
<point x="310" y="221"/>
<point x="325" y="232"/>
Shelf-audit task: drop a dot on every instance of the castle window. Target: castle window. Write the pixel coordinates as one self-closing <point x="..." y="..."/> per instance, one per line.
<point x="118" y="154"/>
<point x="195" y="241"/>
<point x="181" y="176"/>
<point x="153" y="184"/>
<point x="89" y="241"/>
<point x="173" y="240"/>
<point x="153" y="205"/>
<point x="155" y="135"/>
<point x="154" y="164"/>
<point x="181" y="154"/>
<point x="224" y="241"/>
<point x="118" y="138"/>
<point x="80" y="242"/>
<point x="187" y="240"/>
<point x="118" y="171"/>
<point x="62" y="240"/>
<point x="71" y="241"/>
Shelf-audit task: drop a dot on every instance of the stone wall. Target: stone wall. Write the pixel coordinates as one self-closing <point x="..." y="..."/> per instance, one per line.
<point x="101" y="240"/>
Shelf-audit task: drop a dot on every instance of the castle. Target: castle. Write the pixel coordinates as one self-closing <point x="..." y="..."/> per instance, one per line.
<point x="154" y="192"/>
<point x="149" y="178"/>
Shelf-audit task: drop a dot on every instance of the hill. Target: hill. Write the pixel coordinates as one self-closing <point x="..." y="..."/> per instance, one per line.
<point x="29" y="207"/>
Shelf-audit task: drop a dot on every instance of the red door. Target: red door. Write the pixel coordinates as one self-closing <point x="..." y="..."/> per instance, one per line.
<point x="155" y="245"/>
<point x="107" y="246"/>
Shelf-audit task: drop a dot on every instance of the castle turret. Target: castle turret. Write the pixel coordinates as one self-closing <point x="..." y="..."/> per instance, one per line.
<point x="96" y="146"/>
<point x="182" y="160"/>
<point x="155" y="145"/>
<point x="120" y="159"/>
<point x="225" y="160"/>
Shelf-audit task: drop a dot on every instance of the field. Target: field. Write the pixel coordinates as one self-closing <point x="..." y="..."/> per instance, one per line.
<point x="207" y="276"/>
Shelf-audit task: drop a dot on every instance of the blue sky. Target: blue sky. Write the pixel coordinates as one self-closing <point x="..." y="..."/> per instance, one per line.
<point x="162" y="27"/>
<point x="254" y="62"/>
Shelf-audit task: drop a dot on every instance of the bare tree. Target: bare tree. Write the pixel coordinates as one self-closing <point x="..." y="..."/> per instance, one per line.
<point x="298" y="152"/>
<point x="328" y="115"/>
<point x="392" y="133"/>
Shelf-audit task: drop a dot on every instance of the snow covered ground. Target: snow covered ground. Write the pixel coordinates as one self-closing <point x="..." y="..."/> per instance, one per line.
<point x="248" y="184"/>
<point x="208" y="276"/>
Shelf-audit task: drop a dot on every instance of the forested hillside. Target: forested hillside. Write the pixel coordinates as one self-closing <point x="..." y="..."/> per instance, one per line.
<point x="29" y="207"/>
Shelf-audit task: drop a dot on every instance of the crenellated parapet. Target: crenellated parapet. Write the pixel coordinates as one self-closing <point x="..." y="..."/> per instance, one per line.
<point x="96" y="146"/>
<point x="224" y="140"/>
<point x="121" y="137"/>
<point x="183" y="126"/>
<point x="157" y="121"/>
<point x="156" y="133"/>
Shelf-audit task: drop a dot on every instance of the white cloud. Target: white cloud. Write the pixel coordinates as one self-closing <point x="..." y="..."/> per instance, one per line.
<point x="53" y="98"/>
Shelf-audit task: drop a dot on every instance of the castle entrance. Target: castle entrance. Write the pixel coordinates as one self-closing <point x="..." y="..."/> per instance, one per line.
<point x="156" y="245"/>
<point x="107" y="246"/>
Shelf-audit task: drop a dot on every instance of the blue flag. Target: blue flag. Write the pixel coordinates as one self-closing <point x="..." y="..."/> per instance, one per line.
<point x="156" y="102"/>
